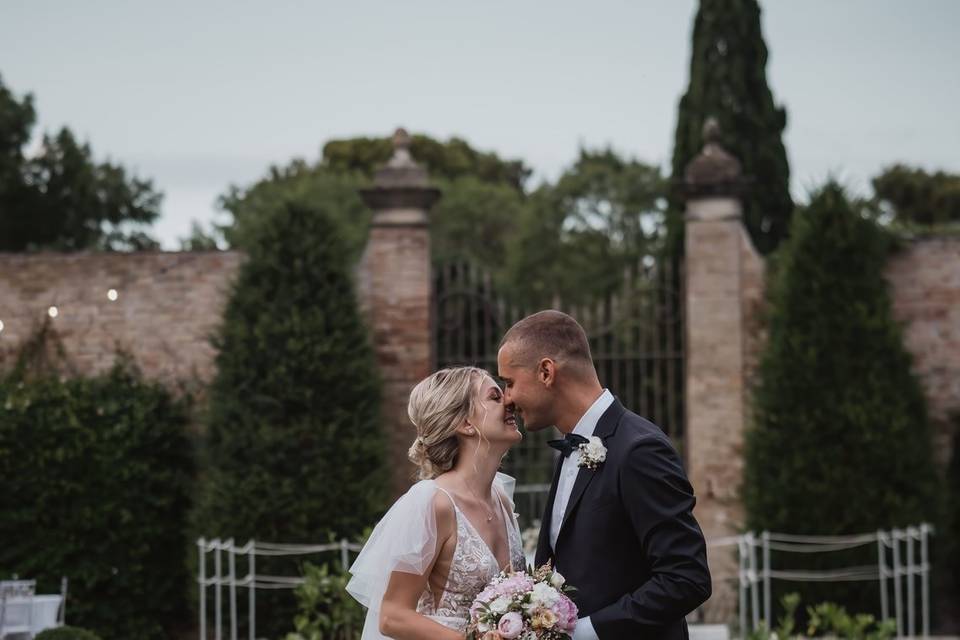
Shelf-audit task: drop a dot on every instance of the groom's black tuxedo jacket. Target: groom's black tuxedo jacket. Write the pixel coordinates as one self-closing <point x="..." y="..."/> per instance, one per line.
<point x="629" y="542"/>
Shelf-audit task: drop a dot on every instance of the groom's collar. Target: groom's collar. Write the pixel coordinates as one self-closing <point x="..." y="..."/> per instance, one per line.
<point x="609" y="420"/>
<point x="587" y="425"/>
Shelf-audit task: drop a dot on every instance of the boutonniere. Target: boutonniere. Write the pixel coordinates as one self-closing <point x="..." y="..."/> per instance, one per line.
<point x="592" y="453"/>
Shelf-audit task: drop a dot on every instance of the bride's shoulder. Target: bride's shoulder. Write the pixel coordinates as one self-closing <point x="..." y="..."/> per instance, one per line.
<point x="443" y="508"/>
<point x="432" y="498"/>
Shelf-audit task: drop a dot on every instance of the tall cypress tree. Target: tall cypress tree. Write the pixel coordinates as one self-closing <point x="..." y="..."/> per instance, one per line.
<point x="728" y="81"/>
<point x="294" y="446"/>
<point x="841" y="442"/>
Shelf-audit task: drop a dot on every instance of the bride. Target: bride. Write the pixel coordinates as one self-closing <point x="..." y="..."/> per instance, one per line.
<point x="454" y="530"/>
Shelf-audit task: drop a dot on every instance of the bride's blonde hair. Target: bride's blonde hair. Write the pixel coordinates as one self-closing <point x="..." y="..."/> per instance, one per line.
<point x="438" y="405"/>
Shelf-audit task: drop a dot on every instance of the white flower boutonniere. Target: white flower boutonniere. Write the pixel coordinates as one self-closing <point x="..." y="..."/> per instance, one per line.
<point x="592" y="453"/>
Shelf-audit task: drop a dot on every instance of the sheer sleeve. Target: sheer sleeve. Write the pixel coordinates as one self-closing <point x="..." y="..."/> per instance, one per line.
<point x="404" y="540"/>
<point x="507" y="485"/>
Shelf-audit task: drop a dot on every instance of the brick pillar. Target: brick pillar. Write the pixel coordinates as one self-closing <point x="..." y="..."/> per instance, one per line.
<point x="716" y="351"/>
<point x="394" y="283"/>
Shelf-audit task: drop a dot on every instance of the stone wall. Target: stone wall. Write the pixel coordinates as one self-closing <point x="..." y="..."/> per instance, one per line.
<point x="167" y="306"/>
<point x="925" y="286"/>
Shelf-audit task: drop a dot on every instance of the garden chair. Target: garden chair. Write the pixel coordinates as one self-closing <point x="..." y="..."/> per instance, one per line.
<point x="16" y="607"/>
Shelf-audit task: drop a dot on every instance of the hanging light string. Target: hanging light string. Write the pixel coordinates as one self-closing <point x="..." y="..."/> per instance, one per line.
<point x="58" y="302"/>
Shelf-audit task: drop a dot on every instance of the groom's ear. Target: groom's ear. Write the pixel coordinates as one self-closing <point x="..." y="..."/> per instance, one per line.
<point x="547" y="372"/>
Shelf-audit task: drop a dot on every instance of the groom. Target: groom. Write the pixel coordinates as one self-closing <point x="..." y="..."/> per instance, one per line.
<point x="618" y="523"/>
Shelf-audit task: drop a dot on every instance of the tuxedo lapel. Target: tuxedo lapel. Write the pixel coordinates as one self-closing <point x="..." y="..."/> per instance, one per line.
<point x="584" y="476"/>
<point x="605" y="428"/>
<point x="544" y="551"/>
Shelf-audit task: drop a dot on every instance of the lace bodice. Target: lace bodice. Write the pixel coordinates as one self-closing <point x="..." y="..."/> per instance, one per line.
<point x="472" y="567"/>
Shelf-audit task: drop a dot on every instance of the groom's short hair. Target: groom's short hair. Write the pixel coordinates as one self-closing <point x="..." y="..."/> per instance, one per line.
<point x="549" y="334"/>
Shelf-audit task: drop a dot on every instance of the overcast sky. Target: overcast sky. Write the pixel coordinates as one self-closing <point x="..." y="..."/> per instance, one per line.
<point x="201" y="95"/>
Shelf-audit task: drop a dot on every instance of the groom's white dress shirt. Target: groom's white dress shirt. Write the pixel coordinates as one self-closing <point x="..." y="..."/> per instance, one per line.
<point x="568" y="476"/>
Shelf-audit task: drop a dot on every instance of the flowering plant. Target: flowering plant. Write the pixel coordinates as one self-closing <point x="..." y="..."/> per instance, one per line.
<point x="524" y="605"/>
<point x="592" y="453"/>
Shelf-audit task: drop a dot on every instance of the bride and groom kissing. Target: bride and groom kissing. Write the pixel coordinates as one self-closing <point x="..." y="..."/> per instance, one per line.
<point x="618" y="523"/>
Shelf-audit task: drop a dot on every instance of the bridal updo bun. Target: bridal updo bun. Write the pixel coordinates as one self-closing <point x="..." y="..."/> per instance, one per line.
<point x="438" y="405"/>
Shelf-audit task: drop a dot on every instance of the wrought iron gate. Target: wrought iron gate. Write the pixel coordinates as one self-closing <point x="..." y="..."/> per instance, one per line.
<point x="636" y="338"/>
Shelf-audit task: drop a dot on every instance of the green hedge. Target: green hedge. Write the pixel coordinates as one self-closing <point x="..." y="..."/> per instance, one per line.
<point x="294" y="446"/>
<point x="96" y="479"/>
<point x="841" y="442"/>
<point x="951" y="533"/>
<point x="67" y="633"/>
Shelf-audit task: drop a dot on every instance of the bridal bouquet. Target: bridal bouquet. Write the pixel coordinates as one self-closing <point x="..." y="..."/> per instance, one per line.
<point x="526" y="605"/>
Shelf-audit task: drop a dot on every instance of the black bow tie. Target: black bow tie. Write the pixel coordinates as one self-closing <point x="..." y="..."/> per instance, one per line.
<point x="568" y="444"/>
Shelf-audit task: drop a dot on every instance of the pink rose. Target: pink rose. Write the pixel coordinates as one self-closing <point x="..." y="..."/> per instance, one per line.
<point x="566" y="612"/>
<point x="510" y="626"/>
<point x="515" y="584"/>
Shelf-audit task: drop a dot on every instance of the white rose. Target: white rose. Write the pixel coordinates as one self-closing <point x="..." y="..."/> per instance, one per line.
<point x="595" y="449"/>
<point x="544" y="594"/>
<point x="500" y="604"/>
<point x="557" y="579"/>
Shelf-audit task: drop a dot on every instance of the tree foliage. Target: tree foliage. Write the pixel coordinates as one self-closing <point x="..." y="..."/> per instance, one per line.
<point x="61" y="198"/>
<point x="914" y="196"/>
<point x="841" y="442"/>
<point x="728" y="81"/>
<point x="307" y="186"/>
<point x="601" y="219"/>
<point x="574" y="239"/>
<point x="448" y="160"/>
<point x="294" y="448"/>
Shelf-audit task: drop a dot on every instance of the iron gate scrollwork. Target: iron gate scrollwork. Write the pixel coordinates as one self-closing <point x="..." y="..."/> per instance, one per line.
<point x="636" y="338"/>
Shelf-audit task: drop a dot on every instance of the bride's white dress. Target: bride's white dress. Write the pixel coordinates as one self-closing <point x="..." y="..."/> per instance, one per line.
<point x="406" y="539"/>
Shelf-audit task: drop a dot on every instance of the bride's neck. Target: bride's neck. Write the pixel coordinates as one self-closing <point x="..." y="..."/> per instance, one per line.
<point x="477" y="469"/>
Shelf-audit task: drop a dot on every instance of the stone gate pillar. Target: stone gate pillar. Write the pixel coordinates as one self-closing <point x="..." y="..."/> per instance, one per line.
<point x="723" y="272"/>
<point x="394" y="286"/>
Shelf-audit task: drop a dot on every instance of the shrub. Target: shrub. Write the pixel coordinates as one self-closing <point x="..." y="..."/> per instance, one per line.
<point x="96" y="474"/>
<point x="825" y="620"/>
<point x="327" y="611"/>
<point x="294" y="443"/>
<point x="66" y="633"/>
<point x="841" y="442"/>
<point x="951" y="534"/>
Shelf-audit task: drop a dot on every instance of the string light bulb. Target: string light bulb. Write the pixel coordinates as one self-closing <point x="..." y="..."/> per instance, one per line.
<point x="1" y="325"/>
<point x="112" y="295"/>
<point x="53" y="311"/>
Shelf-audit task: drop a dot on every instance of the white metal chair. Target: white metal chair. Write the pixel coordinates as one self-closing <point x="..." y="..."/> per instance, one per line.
<point x="16" y="607"/>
